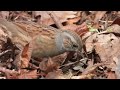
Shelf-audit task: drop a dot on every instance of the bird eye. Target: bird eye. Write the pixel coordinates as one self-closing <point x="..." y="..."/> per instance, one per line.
<point x="74" y="45"/>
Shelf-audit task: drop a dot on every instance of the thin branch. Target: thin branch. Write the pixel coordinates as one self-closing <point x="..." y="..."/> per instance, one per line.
<point x="55" y="19"/>
<point x="2" y="69"/>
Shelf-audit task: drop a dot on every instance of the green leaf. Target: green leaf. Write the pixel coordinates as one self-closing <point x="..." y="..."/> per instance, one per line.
<point x="93" y="30"/>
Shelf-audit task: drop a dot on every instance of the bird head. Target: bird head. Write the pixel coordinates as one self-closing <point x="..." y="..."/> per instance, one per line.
<point x="71" y="41"/>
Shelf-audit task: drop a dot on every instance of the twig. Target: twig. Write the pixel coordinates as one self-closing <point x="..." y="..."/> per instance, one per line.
<point x="99" y="15"/>
<point x="2" y="53"/>
<point x="91" y="68"/>
<point x="35" y="62"/>
<point x="33" y="66"/>
<point x="2" y="69"/>
<point x="55" y="19"/>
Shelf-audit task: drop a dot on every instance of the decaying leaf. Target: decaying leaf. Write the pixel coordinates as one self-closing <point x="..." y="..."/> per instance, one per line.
<point x="114" y="28"/>
<point x="111" y="75"/>
<point x="73" y="20"/>
<point x="55" y="75"/>
<point x="62" y="16"/>
<point x="116" y="21"/>
<point x="24" y="56"/>
<point x="99" y="15"/>
<point x="89" y="43"/>
<point x="117" y="67"/>
<point x="4" y="14"/>
<point x="89" y="76"/>
<point x="28" y="75"/>
<point x="48" y="65"/>
<point x="3" y="37"/>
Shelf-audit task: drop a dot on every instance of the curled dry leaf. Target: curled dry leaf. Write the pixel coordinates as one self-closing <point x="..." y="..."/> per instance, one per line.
<point x="88" y="76"/>
<point x="115" y="28"/>
<point x="55" y="75"/>
<point x="24" y="57"/>
<point x="62" y="16"/>
<point x="117" y="68"/>
<point x="48" y="65"/>
<point x="116" y="21"/>
<point x="52" y="63"/>
<point x="105" y="45"/>
<point x="73" y="20"/>
<point x="3" y="33"/>
<point x="89" y="43"/>
<point x="99" y="15"/>
<point x="111" y="75"/>
<point x="60" y="58"/>
<point x="4" y="14"/>
<point x="3" y="37"/>
<point x="28" y="75"/>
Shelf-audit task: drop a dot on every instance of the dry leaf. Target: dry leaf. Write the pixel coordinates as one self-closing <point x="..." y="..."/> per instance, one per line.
<point x="28" y="75"/>
<point x="53" y="63"/>
<point x="99" y="15"/>
<point x="114" y="28"/>
<point x="89" y="43"/>
<point x="62" y="16"/>
<point x="116" y="21"/>
<point x="106" y="46"/>
<point x="73" y="20"/>
<point x="25" y="56"/>
<point x="55" y="75"/>
<point x="4" y="14"/>
<point x="111" y="75"/>
<point x="89" y="69"/>
<point x="48" y="65"/>
<point x="3" y="37"/>
<point x="89" y="76"/>
<point x="117" y="67"/>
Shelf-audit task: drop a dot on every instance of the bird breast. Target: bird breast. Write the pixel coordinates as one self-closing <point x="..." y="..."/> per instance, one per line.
<point x="46" y="46"/>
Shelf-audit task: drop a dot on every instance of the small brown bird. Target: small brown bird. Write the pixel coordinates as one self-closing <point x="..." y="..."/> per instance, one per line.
<point x="46" y="41"/>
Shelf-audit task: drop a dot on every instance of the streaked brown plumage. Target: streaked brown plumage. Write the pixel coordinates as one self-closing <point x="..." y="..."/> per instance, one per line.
<point x="46" y="41"/>
<point x="49" y="41"/>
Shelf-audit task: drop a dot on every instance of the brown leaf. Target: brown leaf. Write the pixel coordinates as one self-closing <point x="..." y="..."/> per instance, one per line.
<point x="117" y="66"/>
<point x="55" y="75"/>
<point x="114" y="28"/>
<point x="28" y="75"/>
<point x="116" y="21"/>
<point x="111" y="75"/>
<point x="82" y="29"/>
<point x="89" y="43"/>
<point x="4" y="14"/>
<point x="20" y="15"/>
<point x="48" y="65"/>
<point x="62" y="16"/>
<point x="73" y="20"/>
<point x="25" y="56"/>
<point x="59" y="58"/>
<point x="99" y="15"/>
<point x="88" y="76"/>
<point x="3" y="37"/>
<point x="106" y="46"/>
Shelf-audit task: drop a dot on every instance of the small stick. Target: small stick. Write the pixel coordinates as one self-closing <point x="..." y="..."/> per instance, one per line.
<point x="55" y="19"/>
<point x="2" y="69"/>
<point x="2" y="53"/>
